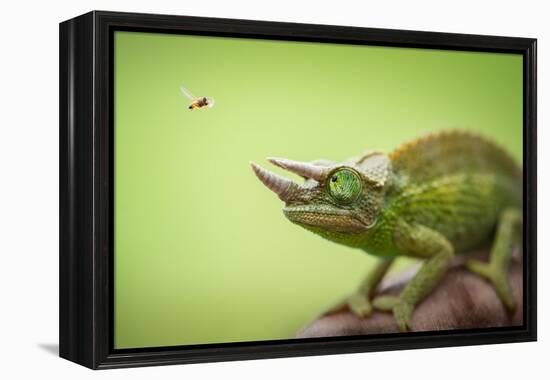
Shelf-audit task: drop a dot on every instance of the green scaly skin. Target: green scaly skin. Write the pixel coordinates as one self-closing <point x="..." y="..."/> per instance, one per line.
<point x="438" y="196"/>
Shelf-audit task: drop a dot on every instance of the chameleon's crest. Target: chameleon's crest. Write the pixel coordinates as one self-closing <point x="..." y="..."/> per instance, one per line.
<point x="376" y="167"/>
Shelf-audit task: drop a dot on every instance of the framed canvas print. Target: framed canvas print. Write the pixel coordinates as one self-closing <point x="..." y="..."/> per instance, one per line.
<point x="236" y="189"/>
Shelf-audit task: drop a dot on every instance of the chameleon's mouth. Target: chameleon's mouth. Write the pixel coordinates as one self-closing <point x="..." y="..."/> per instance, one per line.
<point x="327" y="219"/>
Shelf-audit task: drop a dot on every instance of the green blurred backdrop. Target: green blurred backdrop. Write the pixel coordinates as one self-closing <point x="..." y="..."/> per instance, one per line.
<point x="203" y="253"/>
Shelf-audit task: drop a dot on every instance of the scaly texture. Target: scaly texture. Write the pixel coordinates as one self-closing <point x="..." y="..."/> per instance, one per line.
<point x="447" y="152"/>
<point x="439" y="195"/>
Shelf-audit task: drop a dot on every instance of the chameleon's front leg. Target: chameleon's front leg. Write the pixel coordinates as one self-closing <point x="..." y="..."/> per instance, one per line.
<point x="418" y="241"/>
<point x="359" y="302"/>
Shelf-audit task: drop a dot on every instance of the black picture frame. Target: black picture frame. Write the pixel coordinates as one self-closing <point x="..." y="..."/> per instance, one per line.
<point x="86" y="188"/>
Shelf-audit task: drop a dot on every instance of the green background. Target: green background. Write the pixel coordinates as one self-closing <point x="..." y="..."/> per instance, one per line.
<point x="203" y="253"/>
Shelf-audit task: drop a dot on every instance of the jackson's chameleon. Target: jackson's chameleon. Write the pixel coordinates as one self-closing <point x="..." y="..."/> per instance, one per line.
<point x="439" y="195"/>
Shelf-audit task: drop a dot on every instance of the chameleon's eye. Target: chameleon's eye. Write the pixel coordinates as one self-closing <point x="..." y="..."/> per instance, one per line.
<point x="345" y="185"/>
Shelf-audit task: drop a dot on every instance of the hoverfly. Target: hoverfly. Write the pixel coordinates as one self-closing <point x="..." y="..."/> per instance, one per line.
<point x="197" y="102"/>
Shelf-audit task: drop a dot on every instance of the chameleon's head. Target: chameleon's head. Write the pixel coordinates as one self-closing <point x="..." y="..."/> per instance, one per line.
<point x="336" y="201"/>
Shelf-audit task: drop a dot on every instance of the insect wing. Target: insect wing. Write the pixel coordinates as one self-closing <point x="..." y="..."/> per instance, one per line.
<point x="187" y="93"/>
<point x="210" y="102"/>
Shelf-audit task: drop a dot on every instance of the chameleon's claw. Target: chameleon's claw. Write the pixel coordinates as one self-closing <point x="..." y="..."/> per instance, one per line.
<point x="402" y="312"/>
<point x="385" y="302"/>
<point x="498" y="278"/>
<point x="359" y="305"/>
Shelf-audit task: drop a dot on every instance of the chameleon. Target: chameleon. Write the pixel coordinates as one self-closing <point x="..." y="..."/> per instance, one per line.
<point x="440" y="195"/>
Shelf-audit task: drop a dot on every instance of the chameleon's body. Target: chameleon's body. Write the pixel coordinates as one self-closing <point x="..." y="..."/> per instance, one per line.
<point x="442" y="194"/>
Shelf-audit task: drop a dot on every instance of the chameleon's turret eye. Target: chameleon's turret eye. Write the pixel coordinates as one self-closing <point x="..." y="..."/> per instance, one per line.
<point x="344" y="185"/>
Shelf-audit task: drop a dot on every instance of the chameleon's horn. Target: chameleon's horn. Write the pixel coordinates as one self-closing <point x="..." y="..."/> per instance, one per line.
<point x="303" y="169"/>
<point x="279" y="185"/>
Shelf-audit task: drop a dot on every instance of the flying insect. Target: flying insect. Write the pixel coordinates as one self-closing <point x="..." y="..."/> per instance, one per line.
<point x="197" y="102"/>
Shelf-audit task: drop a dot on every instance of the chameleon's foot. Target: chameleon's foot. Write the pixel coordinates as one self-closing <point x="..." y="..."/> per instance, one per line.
<point x="357" y="303"/>
<point x="360" y="305"/>
<point x="402" y="310"/>
<point x="497" y="278"/>
<point x="385" y="303"/>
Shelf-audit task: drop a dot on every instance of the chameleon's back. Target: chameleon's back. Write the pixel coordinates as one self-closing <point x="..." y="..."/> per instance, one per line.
<point x="456" y="183"/>
<point x="452" y="151"/>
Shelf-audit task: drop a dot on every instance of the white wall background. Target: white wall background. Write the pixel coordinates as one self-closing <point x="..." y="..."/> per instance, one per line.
<point x="29" y="187"/>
